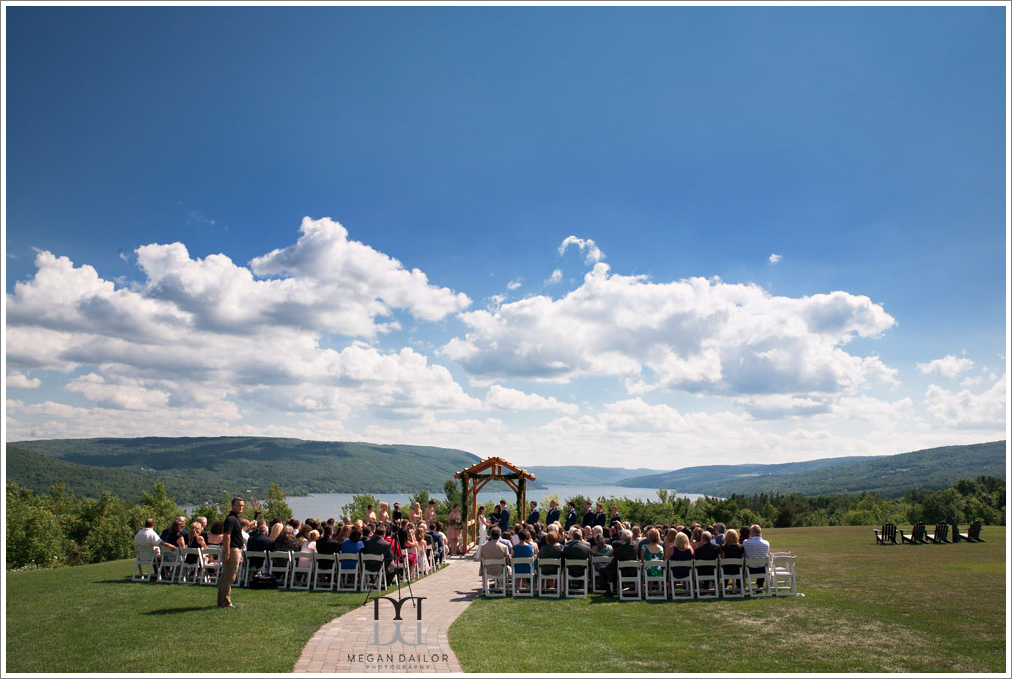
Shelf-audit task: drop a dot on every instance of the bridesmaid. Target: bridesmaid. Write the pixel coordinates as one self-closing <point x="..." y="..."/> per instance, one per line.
<point x="383" y="516"/>
<point x="430" y="513"/>
<point x="454" y="520"/>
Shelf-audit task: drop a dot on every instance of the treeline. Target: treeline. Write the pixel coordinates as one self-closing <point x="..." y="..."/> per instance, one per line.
<point x="59" y="529"/>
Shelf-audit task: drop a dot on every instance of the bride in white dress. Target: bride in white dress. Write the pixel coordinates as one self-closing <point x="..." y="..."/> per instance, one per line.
<point x="482" y="530"/>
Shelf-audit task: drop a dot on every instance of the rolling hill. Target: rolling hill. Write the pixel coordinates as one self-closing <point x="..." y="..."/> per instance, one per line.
<point x="889" y="475"/>
<point x="197" y="469"/>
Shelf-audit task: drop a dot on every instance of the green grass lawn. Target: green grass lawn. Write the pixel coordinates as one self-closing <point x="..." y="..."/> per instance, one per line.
<point x="867" y="608"/>
<point x="94" y="619"/>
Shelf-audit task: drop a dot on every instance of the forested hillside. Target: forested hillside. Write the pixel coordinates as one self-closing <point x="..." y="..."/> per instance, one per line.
<point x="198" y="469"/>
<point x="888" y="475"/>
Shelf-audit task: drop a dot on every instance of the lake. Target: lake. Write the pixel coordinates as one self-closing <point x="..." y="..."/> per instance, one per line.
<point x="326" y="505"/>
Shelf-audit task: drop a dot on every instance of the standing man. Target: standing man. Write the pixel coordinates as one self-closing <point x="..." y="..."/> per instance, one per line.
<point x="588" y="514"/>
<point x="599" y="517"/>
<point x="231" y="551"/>
<point x="571" y="518"/>
<point x="504" y="517"/>
<point x="553" y="513"/>
<point x="615" y="518"/>
<point x="535" y="514"/>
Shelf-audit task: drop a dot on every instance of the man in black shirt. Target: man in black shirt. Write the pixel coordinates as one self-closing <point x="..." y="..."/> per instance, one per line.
<point x="327" y="544"/>
<point x="588" y="515"/>
<point x="231" y="552"/>
<point x="258" y="542"/>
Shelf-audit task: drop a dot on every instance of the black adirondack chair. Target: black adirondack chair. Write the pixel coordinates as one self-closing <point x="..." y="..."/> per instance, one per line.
<point x="917" y="535"/>
<point x="887" y="534"/>
<point x="973" y="533"/>
<point x="941" y="534"/>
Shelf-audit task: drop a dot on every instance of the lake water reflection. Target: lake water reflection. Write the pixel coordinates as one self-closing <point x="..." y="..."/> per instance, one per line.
<point x="326" y="505"/>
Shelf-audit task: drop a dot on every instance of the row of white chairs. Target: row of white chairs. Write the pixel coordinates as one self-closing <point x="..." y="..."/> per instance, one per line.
<point x="650" y="581"/>
<point x="291" y="570"/>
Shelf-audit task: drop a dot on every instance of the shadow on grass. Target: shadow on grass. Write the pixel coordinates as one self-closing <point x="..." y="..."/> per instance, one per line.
<point x="173" y="611"/>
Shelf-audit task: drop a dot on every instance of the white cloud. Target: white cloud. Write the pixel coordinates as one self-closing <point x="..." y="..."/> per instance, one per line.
<point x="966" y="409"/>
<point x="950" y="366"/>
<point x="19" y="381"/>
<point x="697" y="335"/>
<point x="775" y="259"/>
<point x="515" y="284"/>
<point x="592" y="253"/>
<point x="505" y="398"/>
<point x="556" y="277"/>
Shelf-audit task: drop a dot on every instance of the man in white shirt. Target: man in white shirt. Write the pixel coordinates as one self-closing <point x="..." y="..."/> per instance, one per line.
<point x="756" y="548"/>
<point x="147" y="542"/>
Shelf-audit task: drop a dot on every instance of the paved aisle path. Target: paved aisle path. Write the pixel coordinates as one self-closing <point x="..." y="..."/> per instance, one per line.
<point x="349" y="643"/>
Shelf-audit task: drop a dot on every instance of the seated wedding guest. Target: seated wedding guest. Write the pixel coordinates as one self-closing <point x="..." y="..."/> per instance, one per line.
<point x="551" y="550"/>
<point x="147" y="542"/>
<point x="756" y="548"/>
<point x="652" y="551"/>
<point x="624" y="550"/>
<point x="719" y="531"/>
<point x="350" y="547"/>
<point x="195" y="541"/>
<point x="494" y="549"/>
<point x="378" y="544"/>
<point x="176" y="534"/>
<point x="259" y="541"/>
<point x="601" y="548"/>
<point x="743" y="534"/>
<point x="307" y="548"/>
<point x="326" y="544"/>
<point x="697" y="538"/>
<point x="681" y="550"/>
<point x="731" y="550"/>
<point x="215" y="534"/>
<point x="707" y="551"/>
<point x="576" y="554"/>
<point x="523" y="550"/>
<point x="669" y="542"/>
<point x="275" y="531"/>
<point x="286" y="542"/>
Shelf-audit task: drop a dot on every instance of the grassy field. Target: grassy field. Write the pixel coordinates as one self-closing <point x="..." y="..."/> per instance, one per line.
<point x="867" y="608"/>
<point x="94" y="619"/>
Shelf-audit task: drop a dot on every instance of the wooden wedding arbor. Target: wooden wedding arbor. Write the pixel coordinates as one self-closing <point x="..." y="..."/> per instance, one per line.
<point x="475" y="477"/>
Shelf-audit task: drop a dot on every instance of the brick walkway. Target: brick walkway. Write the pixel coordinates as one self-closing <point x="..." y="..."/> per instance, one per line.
<point x="349" y="643"/>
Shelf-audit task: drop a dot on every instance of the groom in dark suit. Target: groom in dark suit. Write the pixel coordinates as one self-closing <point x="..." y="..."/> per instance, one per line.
<point x="504" y="518"/>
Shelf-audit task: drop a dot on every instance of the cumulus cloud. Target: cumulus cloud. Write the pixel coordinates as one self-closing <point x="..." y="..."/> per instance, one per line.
<point x="697" y="335"/>
<point x="200" y="332"/>
<point x="950" y="366"/>
<point x="592" y="253"/>
<point x="504" y="398"/>
<point x="775" y="259"/>
<point x="966" y="409"/>
<point x="20" y="381"/>
<point x="554" y="278"/>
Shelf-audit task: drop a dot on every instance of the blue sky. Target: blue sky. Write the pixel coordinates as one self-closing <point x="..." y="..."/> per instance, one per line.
<point x="646" y="236"/>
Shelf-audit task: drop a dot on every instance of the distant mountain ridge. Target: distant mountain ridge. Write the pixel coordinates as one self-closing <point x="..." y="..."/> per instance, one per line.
<point x="201" y="468"/>
<point x="581" y="475"/>
<point x="889" y="475"/>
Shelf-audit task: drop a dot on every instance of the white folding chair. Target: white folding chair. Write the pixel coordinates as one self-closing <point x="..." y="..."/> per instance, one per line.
<point x="212" y="565"/>
<point x="549" y="585"/>
<point x="782" y="574"/>
<point x="189" y="573"/>
<point x="302" y="570"/>
<point x="262" y="565"/>
<point x="324" y="571"/>
<point x="577" y="585"/>
<point x="756" y="570"/>
<point x="494" y="585"/>
<point x="348" y="572"/>
<point x="629" y="588"/>
<point x="655" y="582"/>
<point x="168" y="566"/>
<point x="681" y="585"/>
<point x="145" y="565"/>
<point x="706" y="583"/>
<point x="281" y="567"/>
<point x="598" y="583"/>
<point x="373" y="579"/>
<point x="732" y="580"/>
<point x="523" y="583"/>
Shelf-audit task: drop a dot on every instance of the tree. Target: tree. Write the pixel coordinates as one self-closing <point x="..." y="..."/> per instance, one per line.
<point x="157" y="505"/>
<point x="276" y="507"/>
<point x="359" y="506"/>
